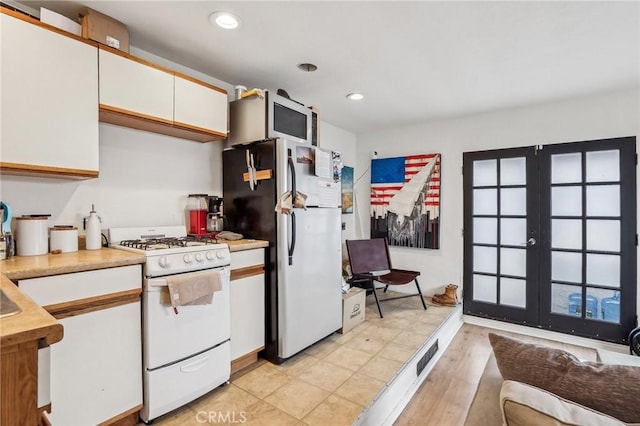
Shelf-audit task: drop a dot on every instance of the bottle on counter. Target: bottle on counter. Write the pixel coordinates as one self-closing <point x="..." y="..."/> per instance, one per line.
<point x="94" y="232"/>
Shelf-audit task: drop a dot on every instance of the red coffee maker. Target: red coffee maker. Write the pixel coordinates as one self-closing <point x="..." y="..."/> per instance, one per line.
<point x="197" y="207"/>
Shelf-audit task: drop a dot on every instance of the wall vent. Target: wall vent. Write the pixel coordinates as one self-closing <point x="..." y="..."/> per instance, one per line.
<point x="422" y="363"/>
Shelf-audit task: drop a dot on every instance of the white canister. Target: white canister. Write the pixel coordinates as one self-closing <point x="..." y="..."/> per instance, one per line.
<point x="63" y="238"/>
<point x="31" y="235"/>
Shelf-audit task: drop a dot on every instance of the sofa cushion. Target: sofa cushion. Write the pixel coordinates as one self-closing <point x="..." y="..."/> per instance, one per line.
<point x="610" y="389"/>
<point x="524" y="405"/>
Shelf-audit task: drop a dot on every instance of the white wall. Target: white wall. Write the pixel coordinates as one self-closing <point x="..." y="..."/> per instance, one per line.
<point x="337" y="139"/>
<point x="600" y="116"/>
<point x="144" y="181"/>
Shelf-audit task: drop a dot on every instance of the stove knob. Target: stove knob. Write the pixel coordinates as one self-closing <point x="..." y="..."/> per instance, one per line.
<point x="210" y="255"/>
<point x="163" y="262"/>
<point x="199" y="257"/>
<point x="187" y="258"/>
<point x="219" y="254"/>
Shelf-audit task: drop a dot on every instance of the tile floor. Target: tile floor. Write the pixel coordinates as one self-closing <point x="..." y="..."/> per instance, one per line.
<point x="330" y="383"/>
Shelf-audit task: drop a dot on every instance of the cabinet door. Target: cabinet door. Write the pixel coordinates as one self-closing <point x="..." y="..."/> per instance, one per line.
<point x="49" y="106"/>
<point x="200" y="105"/>
<point x="247" y="315"/>
<point x="136" y="87"/>
<point x="247" y="301"/>
<point x="96" y="369"/>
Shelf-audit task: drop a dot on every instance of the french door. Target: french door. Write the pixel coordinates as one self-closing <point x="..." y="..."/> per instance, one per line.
<point x="550" y="236"/>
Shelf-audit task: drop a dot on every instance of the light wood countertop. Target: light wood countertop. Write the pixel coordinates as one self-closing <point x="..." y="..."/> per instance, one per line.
<point x="240" y="245"/>
<point x="35" y="323"/>
<point x="22" y="267"/>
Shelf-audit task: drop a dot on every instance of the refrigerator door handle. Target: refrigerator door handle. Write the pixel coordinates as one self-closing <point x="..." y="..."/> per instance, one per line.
<point x="292" y="167"/>
<point x="292" y="246"/>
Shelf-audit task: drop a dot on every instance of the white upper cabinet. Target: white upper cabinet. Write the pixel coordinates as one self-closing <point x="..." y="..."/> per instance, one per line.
<point x="139" y="94"/>
<point x="49" y="107"/>
<point x="200" y="105"/>
<point x="135" y="87"/>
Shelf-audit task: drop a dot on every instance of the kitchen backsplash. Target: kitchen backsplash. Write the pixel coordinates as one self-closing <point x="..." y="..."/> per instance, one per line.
<point x="144" y="179"/>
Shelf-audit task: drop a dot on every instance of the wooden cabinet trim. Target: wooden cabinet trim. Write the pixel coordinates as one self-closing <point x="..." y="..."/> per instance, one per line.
<point x="137" y="115"/>
<point x="200" y="82"/>
<point x="245" y="360"/>
<point x="199" y="129"/>
<point x="19" y="384"/>
<point x="248" y="271"/>
<point x="110" y="115"/>
<point x="26" y="18"/>
<point x="38" y="170"/>
<point x="135" y="59"/>
<point x="92" y="304"/>
<point x="129" y="417"/>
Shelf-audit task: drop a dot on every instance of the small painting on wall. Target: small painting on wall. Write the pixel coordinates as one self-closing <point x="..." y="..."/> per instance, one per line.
<point x="405" y="200"/>
<point x="347" y="189"/>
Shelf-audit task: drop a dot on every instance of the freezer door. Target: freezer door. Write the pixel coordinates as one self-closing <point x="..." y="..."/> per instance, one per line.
<point x="309" y="282"/>
<point x="313" y="169"/>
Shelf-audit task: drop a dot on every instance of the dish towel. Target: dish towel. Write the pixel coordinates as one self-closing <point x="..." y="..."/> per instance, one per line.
<point x="193" y="289"/>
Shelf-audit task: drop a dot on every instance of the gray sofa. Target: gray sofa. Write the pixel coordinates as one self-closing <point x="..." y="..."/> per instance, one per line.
<point x="548" y="386"/>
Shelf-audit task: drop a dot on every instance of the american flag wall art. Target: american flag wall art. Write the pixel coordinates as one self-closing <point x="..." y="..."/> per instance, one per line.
<point x="405" y="200"/>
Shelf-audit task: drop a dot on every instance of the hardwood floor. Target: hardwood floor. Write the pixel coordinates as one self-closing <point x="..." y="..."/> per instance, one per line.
<point x="446" y="395"/>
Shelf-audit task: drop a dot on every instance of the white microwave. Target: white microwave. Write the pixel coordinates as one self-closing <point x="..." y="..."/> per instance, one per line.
<point x="272" y="116"/>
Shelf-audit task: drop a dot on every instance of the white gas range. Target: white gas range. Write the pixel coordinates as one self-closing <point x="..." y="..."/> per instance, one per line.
<point x="185" y="355"/>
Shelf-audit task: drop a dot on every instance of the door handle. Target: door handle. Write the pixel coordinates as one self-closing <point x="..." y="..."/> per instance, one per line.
<point x="292" y="247"/>
<point x="531" y="241"/>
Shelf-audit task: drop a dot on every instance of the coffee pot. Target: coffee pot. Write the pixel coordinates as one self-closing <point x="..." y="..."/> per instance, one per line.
<point x="215" y="223"/>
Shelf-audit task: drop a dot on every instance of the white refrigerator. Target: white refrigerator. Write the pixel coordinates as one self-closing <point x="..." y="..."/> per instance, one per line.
<point x="304" y="261"/>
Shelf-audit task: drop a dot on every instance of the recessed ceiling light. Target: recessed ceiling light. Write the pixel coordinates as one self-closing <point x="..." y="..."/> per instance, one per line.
<point x="355" y="96"/>
<point x="307" y="67"/>
<point x="226" y="20"/>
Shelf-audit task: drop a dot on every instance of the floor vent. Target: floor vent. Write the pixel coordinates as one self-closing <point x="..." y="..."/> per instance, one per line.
<point x="426" y="358"/>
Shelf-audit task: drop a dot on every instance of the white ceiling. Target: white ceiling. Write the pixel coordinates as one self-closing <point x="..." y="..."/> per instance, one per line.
<point x="414" y="61"/>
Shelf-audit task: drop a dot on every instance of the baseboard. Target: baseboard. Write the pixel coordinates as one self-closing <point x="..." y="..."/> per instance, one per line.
<point x="545" y="334"/>
<point x="387" y="405"/>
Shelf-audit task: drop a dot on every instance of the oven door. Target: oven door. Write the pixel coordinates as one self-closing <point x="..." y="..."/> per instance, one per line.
<point x="170" y="337"/>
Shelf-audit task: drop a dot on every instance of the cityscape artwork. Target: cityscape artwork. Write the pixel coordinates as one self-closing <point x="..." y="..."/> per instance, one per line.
<point x="405" y="200"/>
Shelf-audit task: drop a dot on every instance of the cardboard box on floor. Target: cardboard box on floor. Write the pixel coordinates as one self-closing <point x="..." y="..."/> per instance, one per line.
<point x="105" y="30"/>
<point x="353" y="304"/>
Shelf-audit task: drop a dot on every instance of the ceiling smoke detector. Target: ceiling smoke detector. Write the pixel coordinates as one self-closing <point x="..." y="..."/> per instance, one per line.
<point x="226" y="20"/>
<point x="307" y="67"/>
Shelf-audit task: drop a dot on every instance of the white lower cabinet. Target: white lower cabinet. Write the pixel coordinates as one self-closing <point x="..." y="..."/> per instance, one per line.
<point x="96" y="369"/>
<point x="247" y="302"/>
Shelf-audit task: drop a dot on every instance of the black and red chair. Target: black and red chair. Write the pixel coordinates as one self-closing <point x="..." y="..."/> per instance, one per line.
<point x="370" y="263"/>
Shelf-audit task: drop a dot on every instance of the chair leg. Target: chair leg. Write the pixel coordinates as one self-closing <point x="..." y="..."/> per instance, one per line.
<point x="420" y="293"/>
<point x="375" y="295"/>
<point x="386" y="287"/>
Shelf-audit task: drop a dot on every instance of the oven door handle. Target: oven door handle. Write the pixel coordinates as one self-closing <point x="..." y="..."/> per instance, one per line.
<point x="160" y="282"/>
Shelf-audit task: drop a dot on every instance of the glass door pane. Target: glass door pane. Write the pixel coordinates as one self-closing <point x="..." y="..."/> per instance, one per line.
<point x="588" y="227"/>
<point x="550" y="236"/>
<point x="497" y="204"/>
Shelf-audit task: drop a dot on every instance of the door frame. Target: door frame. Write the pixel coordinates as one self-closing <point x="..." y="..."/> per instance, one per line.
<point x="538" y="258"/>
<point x="628" y="243"/>
<point x="490" y="310"/>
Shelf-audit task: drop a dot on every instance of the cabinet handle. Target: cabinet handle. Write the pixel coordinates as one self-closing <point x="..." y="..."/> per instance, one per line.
<point x="195" y="365"/>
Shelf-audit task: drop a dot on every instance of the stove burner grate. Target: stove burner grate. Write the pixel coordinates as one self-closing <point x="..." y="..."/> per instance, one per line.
<point x="164" y="243"/>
